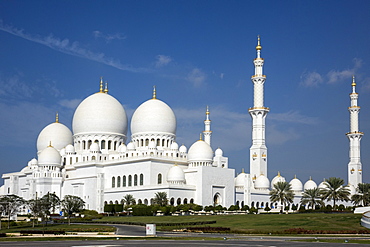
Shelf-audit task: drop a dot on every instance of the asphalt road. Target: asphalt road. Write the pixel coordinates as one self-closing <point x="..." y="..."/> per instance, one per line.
<point x="178" y="243"/>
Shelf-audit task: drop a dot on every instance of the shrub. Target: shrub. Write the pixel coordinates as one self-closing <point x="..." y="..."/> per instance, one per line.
<point x="142" y="210"/>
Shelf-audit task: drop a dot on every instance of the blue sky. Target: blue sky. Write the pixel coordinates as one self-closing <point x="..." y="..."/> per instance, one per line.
<point x="197" y="53"/>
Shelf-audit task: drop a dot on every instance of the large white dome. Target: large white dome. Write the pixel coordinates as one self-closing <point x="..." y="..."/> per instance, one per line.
<point x="200" y="151"/>
<point x="262" y="182"/>
<point x="277" y="178"/>
<point x="310" y="184"/>
<point x="153" y="116"/>
<point x="49" y="157"/>
<point x="296" y="184"/>
<point x="100" y="113"/>
<point x="56" y="134"/>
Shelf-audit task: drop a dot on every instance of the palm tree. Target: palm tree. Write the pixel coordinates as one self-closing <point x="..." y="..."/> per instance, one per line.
<point x="128" y="200"/>
<point x="282" y="192"/>
<point x="362" y="196"/>
<point x="312" y="197"/>
<point x="160" y="198"/>
<point x="334" y="190"/>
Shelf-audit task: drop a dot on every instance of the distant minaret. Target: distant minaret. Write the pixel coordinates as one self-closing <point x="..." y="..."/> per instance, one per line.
<point x="207" y="128"/>
<point x="354" y="136"/>
<point x="258" y="150"/>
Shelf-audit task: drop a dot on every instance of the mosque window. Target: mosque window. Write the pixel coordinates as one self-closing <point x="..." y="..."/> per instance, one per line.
<point x="242" y="204"/>
<point x="185" y="201"/>
<point x="89" y="144"/>
<point x="146" y="201"/>
<point x="178" y="201"/>
<point x="257" y="204"/>
<point x="146" y="142"/>
<point x="115" y="145"/>
<point x="163" y="143"/>
<point x="172" y="201"/>
<point x="135" y="180"/>
<point x="191" y="200"/>
<point x="252" y="205"/>
<point x="113" y="182"/>
<point x="76" y="159"/>
<point x="141" y="179"/>
<point x="83" y="144"/>
<point x="116" y="202"/>
<point x="109" y="144"/>
<point x="159" y="178"/>
<point x="142" y="142"/>
<point x="93" y="158"/>
<point x="124" y="181"/>
<point x="129" y="180"/>
<point x="158" y="142"/>
<point x="139" y="201"/>
<point x="103" y="144"/>
<point x="118" y="181"/>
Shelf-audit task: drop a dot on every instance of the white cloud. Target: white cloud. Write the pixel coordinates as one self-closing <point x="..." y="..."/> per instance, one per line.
<point x="70" y="104"/>
<point x="311" y="79"/>
<point x="197" y="77"/>
<point x="335" y="76"/>
<point x="162" y="60"/>
<point x="109" y="37"/>
<point x="70" y="48"/>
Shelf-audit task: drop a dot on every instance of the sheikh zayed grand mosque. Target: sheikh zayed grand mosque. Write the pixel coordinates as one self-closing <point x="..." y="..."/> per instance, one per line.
<point x="95" y="162"/>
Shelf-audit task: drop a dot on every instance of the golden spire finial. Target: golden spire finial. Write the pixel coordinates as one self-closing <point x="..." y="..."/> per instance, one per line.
<point x="50" y="144"/>
<point x="101" y="84"/>
<point x="106" y="87"/>
<point x="295" y="176"/>
<point x="154" y="92"/>
<point x="278" y="173"/>
<point x="57" y="117"/>
<point x="200" y="137"/>
<point x="310" y="178"/>
<point x="242" y="170"/>
<point x="258" y="47"/>
<point x="353" y="81"/>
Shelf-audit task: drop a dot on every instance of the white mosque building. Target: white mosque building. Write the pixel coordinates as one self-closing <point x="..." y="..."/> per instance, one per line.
<point x="95" y="162"/>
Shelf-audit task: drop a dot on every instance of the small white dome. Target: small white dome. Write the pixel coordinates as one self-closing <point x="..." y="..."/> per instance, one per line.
<point x="200" y="151"/>
<point x="322" y="185"/>
<point x="62" y="152"/>
<point x="153" y="116"/>
<point x="131" y="146"/>
<point x="310" y="184"/>
<point x="240" y="179"/>
<point x="277" y="178"/>
<point x="176" y="175"/>
<point x="296" y="184"/>
<point x="70" y="149"/>
<point x="56" y="134"/>
<point x="100" y="113"/>
<point x="219" y="152"/>
<point x="122" y="148"/>
<point x="183" y="149"/>
<point x="33" y="162"/>
<point x="94" y="147"/>
<point x="174" y="146"/>
<point x="262" y="182"/>
<point x="49" y="157"/>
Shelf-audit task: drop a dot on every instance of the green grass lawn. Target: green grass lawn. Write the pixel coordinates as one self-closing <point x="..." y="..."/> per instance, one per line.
<point x="258" y="223"/>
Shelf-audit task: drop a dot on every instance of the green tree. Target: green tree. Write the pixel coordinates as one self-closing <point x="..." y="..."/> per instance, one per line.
<point x="128" y="200"/>
<point x="312" y="197"/>
<point x="282" y="192"/>
<point x="10" y="205"/>
<point x="334" y="190"/>
<point x="72" y="204"/>
<point x="362" y="196"/>
<point x="51" y="201"/>
<point x="160" y="198"/>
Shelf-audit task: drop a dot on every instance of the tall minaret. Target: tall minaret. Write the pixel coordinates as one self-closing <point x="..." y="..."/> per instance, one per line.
<point x="354" y="136"/>
<point x="258" y="150"/>
<point x="207" y="128"/>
